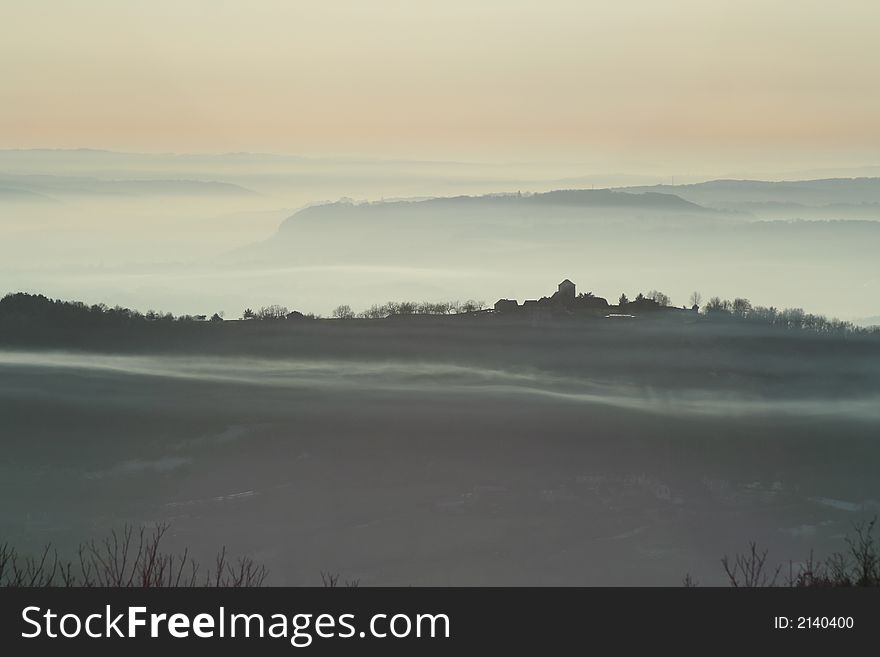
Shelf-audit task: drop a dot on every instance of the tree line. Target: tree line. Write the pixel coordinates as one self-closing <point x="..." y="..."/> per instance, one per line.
<point x="742" y="309"/>
<point x="379" y="311"/>
<point x="21" y="306"/>
<point x="376" y="311"/>
<point x="790" y="318"/>
<point x="19" y="312"/>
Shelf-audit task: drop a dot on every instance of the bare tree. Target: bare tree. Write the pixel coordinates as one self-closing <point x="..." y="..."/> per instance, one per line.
<point x="331" y="581"/>
<point x="126" y="558"/>
<point x="866" y="555"/>
<point x="471" y="306"/>
<point x="741" y="307"/>
<point x="343" y="312"/>
<point x="661" y="298"/>
<point x="750" y="570"/>
<point x="857" y="566"/>
<point x="272" y="312"/>
<point x="717" y="305"/>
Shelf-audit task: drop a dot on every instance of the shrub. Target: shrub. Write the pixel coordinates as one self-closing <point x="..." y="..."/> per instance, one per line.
<point x="859" y="565"/>
<point x="127" y="558"/>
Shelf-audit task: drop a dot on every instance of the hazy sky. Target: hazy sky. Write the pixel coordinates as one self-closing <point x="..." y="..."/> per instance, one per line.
<point x="696" y="82"/>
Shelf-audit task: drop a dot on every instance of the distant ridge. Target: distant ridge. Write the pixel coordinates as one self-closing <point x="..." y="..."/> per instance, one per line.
<point x="54" y="185"/>
<point x="748" y="194"/>
<point x="568" y="198"/>
<point x="837" y="184"/>
<point x="25" y="196"/>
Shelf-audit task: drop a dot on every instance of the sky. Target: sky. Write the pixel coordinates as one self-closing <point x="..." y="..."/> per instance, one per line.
<point x="631" y="84"/>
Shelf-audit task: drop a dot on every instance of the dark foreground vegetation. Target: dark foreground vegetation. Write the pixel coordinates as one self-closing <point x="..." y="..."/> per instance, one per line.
<point x="480" y="448"/>
<point x="33" y="318"/>
<point x="132" y="558"/>
<point x="770" y="353"/>
<point x="858" y="565"/>
<point x="127" y="558"/>
<point x="135" y="559"/>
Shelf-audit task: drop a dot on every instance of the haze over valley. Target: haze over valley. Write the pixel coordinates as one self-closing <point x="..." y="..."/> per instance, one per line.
<point x="202" y="234"/>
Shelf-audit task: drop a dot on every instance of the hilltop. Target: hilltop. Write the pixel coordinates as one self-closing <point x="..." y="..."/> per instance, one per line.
<point x="827" y="198"/>
<point x="444" y="228"/>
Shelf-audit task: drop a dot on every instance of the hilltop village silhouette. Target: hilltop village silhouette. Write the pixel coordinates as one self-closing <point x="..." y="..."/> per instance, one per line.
<point x="566" y="299"/>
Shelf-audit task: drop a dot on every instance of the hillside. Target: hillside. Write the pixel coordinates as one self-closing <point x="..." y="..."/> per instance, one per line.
<point x="75" y="187"/>
<point x="438" y="229"/>
<point x="829" y="198"/>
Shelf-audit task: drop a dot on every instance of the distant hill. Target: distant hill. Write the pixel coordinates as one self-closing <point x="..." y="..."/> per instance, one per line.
<point x="504" y="209"/>
<point x="828" y="198"/>
<point x="489" y="222"/>
<point x="13" y="195"/>
<point x="585" y="198"/>
<point x="75" y="186"/>
<point x="438" y="229"/>
<point x="605" y="223"/>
